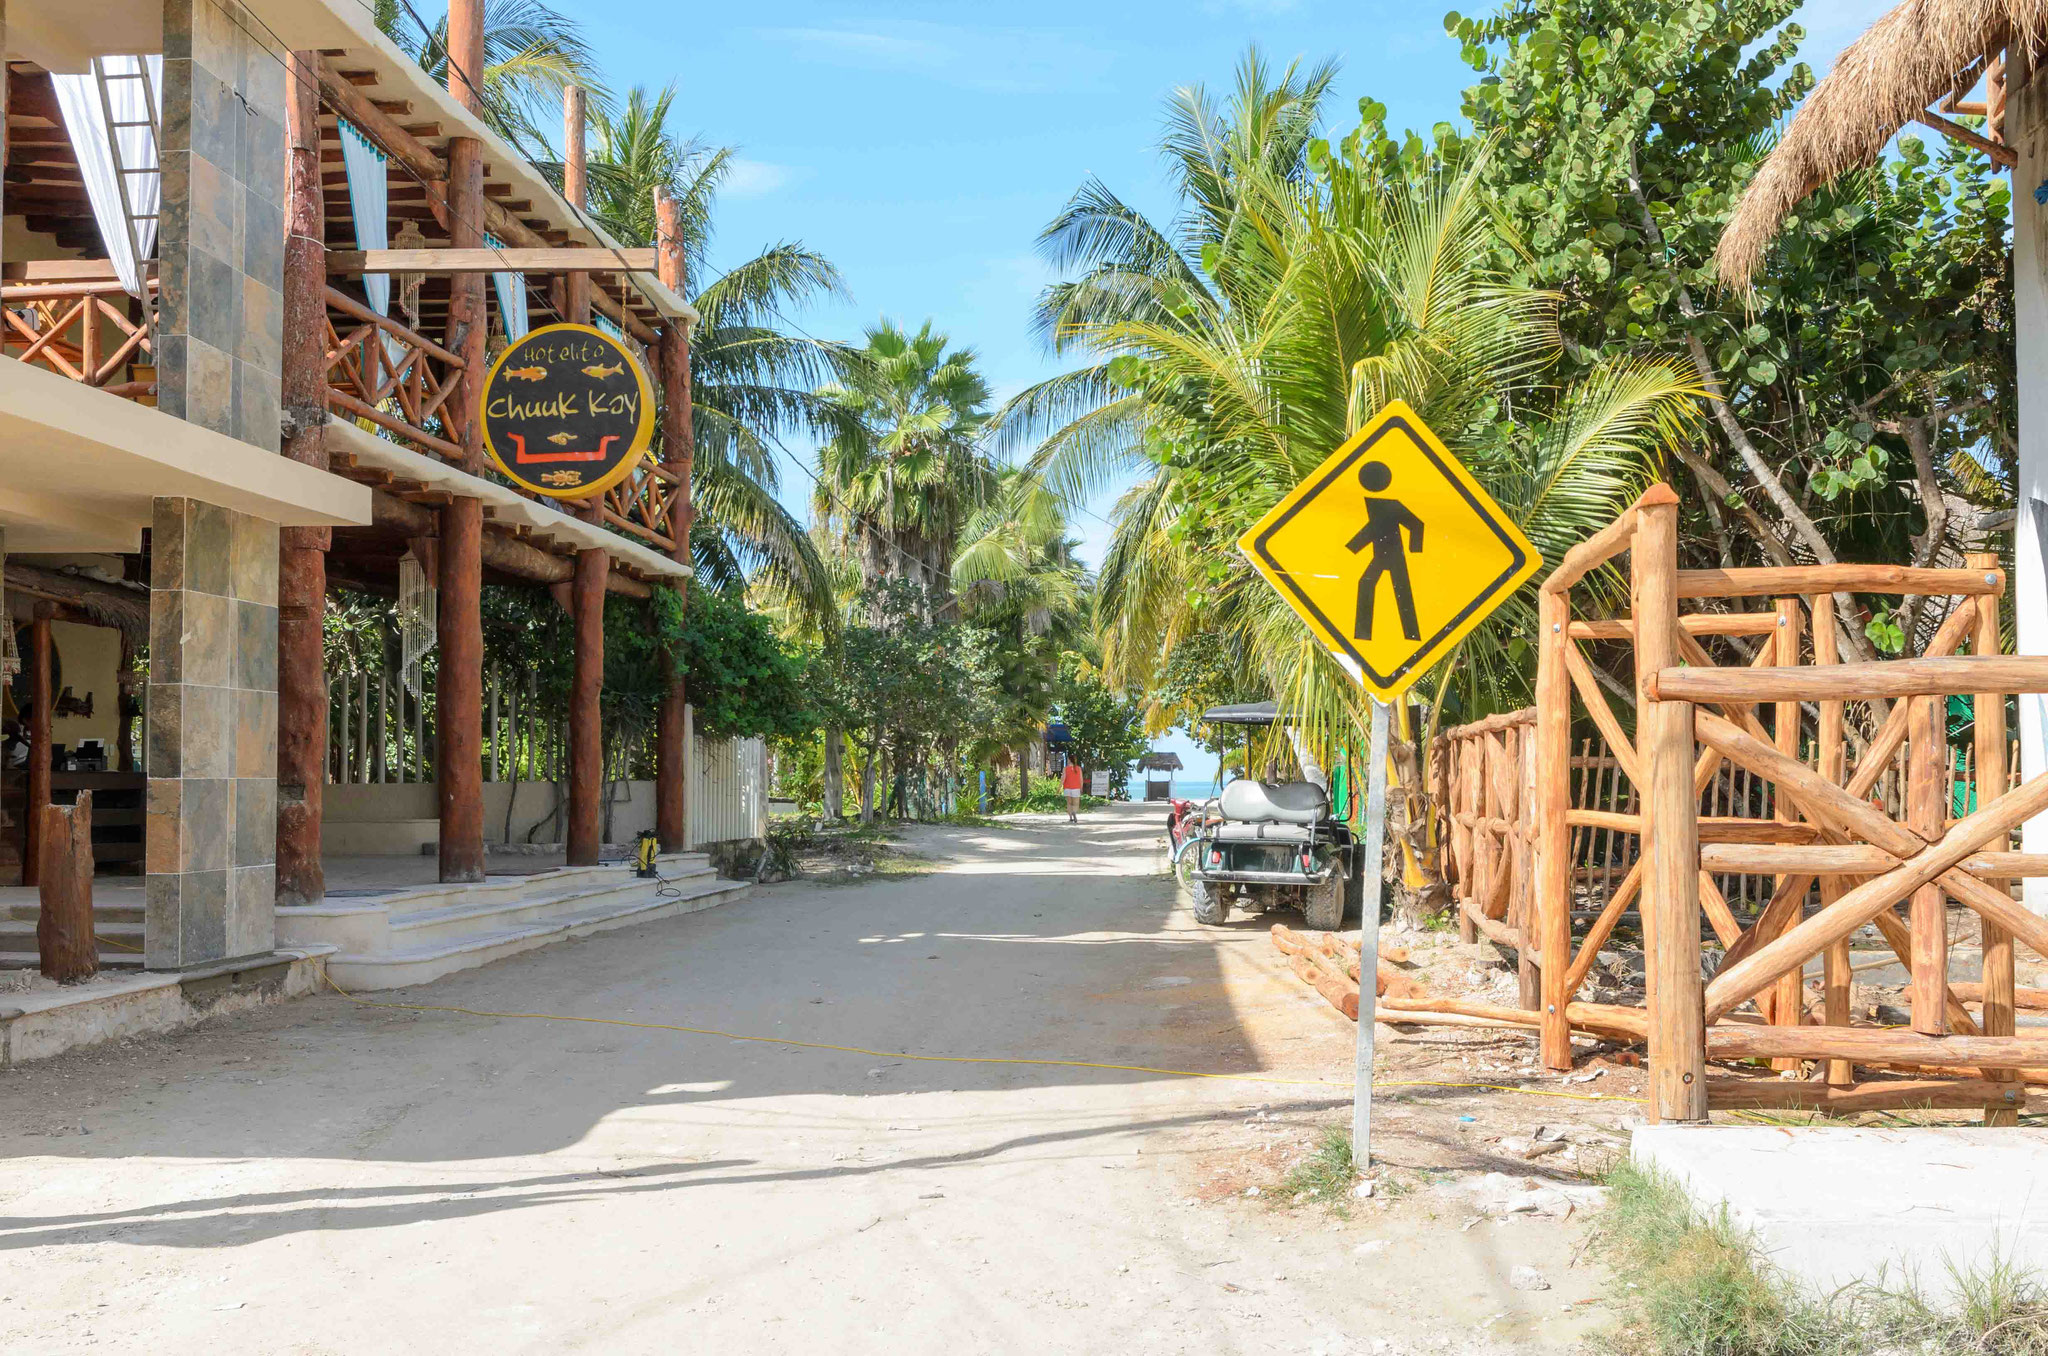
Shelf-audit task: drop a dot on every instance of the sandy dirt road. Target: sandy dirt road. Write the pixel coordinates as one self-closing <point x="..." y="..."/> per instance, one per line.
<point x="325" y="1177"/>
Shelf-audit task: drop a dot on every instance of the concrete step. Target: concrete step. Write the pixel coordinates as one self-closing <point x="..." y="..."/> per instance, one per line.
<point x="420" y="927"/>
<point x="418" y="964"/>
<point x="30" y="959"/>
<point x="103" y="913"/>
<point x="420" y="898"/>
<point x="20" y="936"/>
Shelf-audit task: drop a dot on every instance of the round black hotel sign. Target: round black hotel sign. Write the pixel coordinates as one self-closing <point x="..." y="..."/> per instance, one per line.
<point x="567" y="411"/>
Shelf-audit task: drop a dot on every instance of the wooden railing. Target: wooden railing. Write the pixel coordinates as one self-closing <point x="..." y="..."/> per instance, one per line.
<point x="1760" y="703"/>
<point x="398" y="380"/>
<point x="80" y="330"/>
<point x="644" y="504"/>
<point x="408" y="385"/>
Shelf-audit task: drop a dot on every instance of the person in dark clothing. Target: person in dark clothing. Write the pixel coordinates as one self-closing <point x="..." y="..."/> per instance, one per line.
<point x="1385" y="520"/>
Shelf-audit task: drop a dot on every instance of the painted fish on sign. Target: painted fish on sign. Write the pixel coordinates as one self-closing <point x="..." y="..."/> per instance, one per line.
<point x="567" y="411"/>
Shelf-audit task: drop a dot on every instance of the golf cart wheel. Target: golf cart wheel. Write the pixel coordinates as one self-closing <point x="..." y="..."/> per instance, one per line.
<point x="1322" y="906"/>
<point x="1210" y="904"/>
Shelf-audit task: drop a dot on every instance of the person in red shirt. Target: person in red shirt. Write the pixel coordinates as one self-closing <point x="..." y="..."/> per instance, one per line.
<point x="1072" y="782"/>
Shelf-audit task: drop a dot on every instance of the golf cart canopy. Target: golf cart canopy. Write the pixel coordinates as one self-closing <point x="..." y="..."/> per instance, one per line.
<point x="1249" y="713"/>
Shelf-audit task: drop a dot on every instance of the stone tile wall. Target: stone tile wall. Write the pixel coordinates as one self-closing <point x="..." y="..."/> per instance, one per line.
<point x="212" y="736"/>
<point x="220" y="343"/>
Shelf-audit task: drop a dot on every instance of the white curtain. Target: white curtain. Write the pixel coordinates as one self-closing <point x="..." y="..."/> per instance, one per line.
<point x="85" y="122"/>
<point x="511" y="289"/>
<point x="369" y="203"/>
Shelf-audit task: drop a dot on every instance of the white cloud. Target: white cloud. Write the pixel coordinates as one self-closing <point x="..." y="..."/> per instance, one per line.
<point x="995" y="60"/>
<point x="755" y="178"/>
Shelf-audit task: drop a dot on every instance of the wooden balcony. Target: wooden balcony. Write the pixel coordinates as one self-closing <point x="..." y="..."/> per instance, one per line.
<point x="75" y="320"/>
<point x="86" y="329"/>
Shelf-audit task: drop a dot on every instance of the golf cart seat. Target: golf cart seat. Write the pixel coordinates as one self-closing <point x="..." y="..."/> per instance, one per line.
<point x="1234" y="832"/>
<point x="1255" y="803"/>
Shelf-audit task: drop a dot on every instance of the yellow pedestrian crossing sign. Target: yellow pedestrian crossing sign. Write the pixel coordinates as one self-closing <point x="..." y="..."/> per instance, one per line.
<point x="1391" y="552"/>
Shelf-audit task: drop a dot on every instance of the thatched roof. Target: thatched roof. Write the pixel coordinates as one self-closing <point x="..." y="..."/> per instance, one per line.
<point x="1160" y="762"/>
<point x="1910" y="59"/>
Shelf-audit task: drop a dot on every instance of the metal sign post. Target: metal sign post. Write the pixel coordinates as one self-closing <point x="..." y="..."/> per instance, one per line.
<point x="1370" y="854"/>
<point x="1391" y="553"/>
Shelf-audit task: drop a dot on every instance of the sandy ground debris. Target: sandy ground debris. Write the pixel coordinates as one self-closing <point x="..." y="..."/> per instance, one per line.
<point x="327" y="1177"/>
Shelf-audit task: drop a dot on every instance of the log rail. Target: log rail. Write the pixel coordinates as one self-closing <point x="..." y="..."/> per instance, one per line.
<point x="1803" y="824"/>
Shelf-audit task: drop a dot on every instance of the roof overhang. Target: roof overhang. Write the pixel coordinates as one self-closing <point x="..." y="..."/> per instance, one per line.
<point x="80" y="469"/>
<point x="501" y="503"/>
<point x="64" y="38"/>
<point x="400" y="77"/>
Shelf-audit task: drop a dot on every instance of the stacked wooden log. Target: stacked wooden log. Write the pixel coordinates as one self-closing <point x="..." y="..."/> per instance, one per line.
<point x="1329" y="962"/>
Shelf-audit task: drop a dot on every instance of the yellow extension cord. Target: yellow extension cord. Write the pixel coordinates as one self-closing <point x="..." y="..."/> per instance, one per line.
<point x="961" y="1059"/>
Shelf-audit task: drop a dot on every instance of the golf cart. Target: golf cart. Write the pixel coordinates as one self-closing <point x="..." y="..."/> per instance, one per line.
<point x="1265" y="844"/>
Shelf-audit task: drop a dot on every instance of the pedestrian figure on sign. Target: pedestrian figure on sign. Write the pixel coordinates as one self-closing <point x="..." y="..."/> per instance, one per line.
<point x="1385" y="519"/>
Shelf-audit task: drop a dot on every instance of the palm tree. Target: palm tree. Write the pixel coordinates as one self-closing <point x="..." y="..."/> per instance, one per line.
<point x="752" y="380"/>
<point x="900" y="478"/>
<point x="1020" y="581"/>
<point x="1301" y="288"/>
<point x="531" y="54"/>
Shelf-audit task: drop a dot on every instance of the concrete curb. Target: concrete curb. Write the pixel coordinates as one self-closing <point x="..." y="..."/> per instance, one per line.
<point x="41" y="1025"/>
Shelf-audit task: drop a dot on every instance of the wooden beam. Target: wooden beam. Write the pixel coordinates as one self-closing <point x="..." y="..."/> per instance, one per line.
<point x="521" y="259"/>
<point x="1692" y="623"/>
<point x="1791" y="1094"/>
<point x="2001" y="155"/>
<point x="1735" y="984"/>
<point x="504" y="550"/>
<point x="1777" y="581"/>
<point x="2000" y="993"/>
<point x="1873" y="1045"/>
<point x="1670" y="810"/>
<point x="1926" y="785"/>
<point x="1849" y="859"/>
<point x="1954" y="676"/>
<point x="672" y="357"/>
<point x="586" y="724"/>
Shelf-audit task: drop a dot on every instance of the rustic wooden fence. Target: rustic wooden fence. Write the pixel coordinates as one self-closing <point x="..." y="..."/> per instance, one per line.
<point x="1726" y="815"/>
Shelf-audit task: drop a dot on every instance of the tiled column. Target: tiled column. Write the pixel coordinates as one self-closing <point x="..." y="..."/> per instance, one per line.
<point x="212" y="822"/>
<point x="220" y="339"/>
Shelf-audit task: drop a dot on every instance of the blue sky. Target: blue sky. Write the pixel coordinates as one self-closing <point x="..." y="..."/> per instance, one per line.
<point x="922" y="146"/>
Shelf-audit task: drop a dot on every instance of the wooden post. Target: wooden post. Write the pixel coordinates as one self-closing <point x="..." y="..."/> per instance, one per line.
<point x="1458" y="850"/>
<point x="1990" y="755"/>
<point x="39" y="713"/>
<point x="466" y="53"/>
<point x="1552" y="913"/>
<point x="302" y="551"/>
<point x="1926" y="778"/>
<point x="1522" y="740"/>
<point x="459" y="678"/>
<point x="575" y="188"/>
<point x="1789" y="1000"/>
<point x="64" y="940"/>
<point x="586" y="727"/>
<point x="1833" y="765"/>
<point x="1671" y="881"/>
<point x="678" y="444"/>
<point x="458" y="692"/>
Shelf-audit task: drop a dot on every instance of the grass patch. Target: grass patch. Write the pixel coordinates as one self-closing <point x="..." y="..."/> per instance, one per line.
<point x="1697" y="1288"/>
<point x="1325" y="1175"/>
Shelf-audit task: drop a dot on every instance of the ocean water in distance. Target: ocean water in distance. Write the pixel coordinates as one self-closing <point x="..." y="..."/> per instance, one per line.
<point x="1200" y="789"/>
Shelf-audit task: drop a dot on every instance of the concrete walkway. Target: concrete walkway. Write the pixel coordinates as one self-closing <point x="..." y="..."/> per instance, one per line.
<point x="324" y="1177"/>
